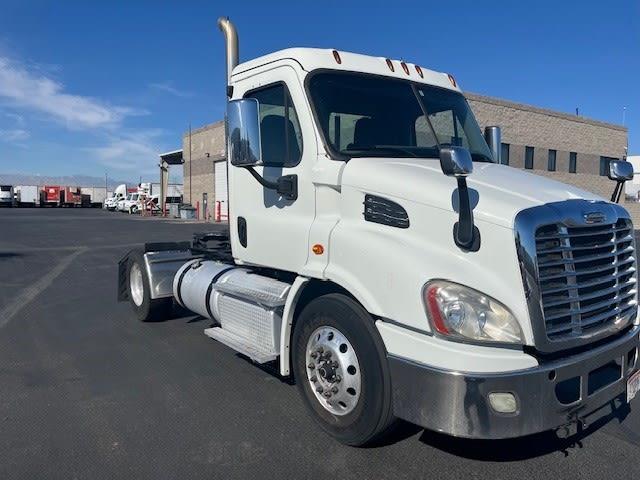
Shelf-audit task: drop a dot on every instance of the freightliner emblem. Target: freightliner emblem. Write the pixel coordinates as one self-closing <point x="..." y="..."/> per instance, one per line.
<point x="594" y="217"/>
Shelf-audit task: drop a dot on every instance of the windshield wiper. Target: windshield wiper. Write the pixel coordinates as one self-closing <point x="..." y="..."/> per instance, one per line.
<point x="371" y="148"/>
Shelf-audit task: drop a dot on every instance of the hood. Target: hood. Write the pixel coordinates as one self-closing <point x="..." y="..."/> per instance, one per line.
<point x="498" y="192"/>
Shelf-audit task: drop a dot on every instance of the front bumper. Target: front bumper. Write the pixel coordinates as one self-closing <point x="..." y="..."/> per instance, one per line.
<point x="457" y="403"/>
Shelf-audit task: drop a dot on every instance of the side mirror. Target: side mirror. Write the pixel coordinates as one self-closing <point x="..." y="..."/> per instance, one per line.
<point x="620" y="170"/>
<point x="493" y="137"/>
<point x="243" y="130"/>
<point x="455" y="161"/>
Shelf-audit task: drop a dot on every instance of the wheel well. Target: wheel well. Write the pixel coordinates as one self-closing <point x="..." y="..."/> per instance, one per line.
<point x="314" y="289"/>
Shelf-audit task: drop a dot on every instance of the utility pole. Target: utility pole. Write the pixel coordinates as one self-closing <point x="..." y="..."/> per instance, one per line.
<point x="190" y="166"/>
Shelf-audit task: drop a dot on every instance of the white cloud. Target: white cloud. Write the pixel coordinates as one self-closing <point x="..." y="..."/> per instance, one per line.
<point x="130" y="152"/>
<point x="35" y="91"/>
<point x="167" y="87"/>
<point x="13" y="135"/>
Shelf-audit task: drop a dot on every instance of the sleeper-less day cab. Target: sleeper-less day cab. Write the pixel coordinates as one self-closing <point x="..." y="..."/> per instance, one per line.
<point x="379" y="253"/>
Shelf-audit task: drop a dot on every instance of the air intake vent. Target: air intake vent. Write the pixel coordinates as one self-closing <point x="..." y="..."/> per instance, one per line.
<point x="384" y="211"/>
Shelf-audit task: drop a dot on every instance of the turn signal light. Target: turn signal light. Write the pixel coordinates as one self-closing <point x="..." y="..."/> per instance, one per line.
<point x="317" y="249"/>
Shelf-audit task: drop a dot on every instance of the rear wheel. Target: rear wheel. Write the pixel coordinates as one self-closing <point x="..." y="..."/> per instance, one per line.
<point x="146" y="308"/>
<point x="341" y="370"/>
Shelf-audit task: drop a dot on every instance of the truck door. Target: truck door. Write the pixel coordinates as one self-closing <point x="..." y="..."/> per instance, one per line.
<point x="266" y="228"/>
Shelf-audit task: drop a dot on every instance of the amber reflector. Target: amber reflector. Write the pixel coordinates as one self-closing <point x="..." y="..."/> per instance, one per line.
<point x="390" y="65"/>
<point x="317" y="249"/>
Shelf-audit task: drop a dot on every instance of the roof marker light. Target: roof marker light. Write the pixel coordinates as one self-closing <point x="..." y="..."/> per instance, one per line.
<point x="404" y="67"/>
<point x="419" y="70"/>
<point x="390" y="65"/>
<point x="336" y="56"/>
<point x="452" y="80"/>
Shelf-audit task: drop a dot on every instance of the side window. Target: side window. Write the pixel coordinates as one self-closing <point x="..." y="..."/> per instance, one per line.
<point x="279" y="127"/>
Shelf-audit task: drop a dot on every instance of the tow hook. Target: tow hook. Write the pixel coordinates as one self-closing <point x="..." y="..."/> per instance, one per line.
<point x="571" y="429"/>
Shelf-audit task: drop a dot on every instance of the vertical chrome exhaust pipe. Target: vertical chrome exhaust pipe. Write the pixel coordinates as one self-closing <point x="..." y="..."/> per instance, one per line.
<point x="231" y="41"/>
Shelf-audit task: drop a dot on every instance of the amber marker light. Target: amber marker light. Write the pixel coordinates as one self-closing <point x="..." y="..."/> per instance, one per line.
<point x="452" y="80"/>
<point x="336" y="56"/>
<point x="390" y="65"/>
<point x="317" y="249"/>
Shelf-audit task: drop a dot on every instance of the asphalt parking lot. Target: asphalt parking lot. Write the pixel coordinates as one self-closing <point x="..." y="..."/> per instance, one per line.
<point x="88" y="392"/>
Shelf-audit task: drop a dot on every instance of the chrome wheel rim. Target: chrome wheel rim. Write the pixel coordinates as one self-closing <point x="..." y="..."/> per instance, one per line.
<point x="136" y="285"/>
<point x="333" y="370"/>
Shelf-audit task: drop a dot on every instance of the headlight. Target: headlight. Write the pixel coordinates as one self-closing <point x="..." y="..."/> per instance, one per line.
<point x="456" y="311"/>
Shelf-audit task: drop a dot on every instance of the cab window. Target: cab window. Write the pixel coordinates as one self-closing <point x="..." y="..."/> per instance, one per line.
<point x="279" y="127"/>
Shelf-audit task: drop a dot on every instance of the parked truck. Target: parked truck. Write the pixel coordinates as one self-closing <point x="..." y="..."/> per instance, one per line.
<point x="6" y="196"/>
<point x="379" y="253"/>
<point x="119" y="193"/>
<point x="93" y="196"/>
<point x="27" y="195"/>
<point x="50" y="195"/>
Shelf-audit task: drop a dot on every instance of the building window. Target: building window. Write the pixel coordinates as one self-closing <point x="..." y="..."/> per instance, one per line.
<point x="573" y="162"/>
<point x="528" y="158"/>
<point x="551" y="163"/>
<point x="604" y="165"/>
<point x="504" y="154"/>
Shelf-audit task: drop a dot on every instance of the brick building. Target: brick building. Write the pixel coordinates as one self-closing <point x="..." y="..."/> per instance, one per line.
<point x="569" y="148"/>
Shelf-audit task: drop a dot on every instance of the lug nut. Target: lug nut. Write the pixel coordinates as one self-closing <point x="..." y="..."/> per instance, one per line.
<point x="334" y="390"/>
<point x="314" y="379"/>
<point x="319" y="389"/>
<point x="320" y="350"/>
<point x="314" y="355"/>
<point x="327" y="394"/>
<point x="311" y="366"/>
<point x="328" y="354"/>
<point x="335" y="364"/>
<point x="338" y="378"/>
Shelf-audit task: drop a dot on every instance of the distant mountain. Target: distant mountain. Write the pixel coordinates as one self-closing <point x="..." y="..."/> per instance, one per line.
<point x="66" y="180"/>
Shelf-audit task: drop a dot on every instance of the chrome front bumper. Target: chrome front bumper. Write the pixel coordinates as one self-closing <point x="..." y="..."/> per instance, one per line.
<point x="457" y="403"/>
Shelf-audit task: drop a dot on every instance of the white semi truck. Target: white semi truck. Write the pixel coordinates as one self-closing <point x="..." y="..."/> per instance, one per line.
<point x="379" y="253"/>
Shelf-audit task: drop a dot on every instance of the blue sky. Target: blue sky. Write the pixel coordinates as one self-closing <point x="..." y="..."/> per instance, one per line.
<point x="89" y="87"/>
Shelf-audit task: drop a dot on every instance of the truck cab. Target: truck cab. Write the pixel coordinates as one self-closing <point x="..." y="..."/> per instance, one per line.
<point x="381" y="254"/>
<point x="6" y="195"/>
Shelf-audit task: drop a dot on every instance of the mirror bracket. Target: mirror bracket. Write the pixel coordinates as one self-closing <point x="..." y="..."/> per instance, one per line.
<point x="287" y="185"/>
<point x="465" y="233"/>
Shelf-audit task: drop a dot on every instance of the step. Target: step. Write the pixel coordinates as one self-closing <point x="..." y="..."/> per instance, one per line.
<point x="240" y="345"/>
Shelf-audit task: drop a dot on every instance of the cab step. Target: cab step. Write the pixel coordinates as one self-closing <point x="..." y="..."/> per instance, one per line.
<point x="240" y="345"/>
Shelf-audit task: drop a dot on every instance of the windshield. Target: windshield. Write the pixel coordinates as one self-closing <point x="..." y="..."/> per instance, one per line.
<point x="364" y="115"/>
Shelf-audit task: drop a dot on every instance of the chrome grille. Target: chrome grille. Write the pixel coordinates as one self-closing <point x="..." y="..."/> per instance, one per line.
<point x="587" y="277"/>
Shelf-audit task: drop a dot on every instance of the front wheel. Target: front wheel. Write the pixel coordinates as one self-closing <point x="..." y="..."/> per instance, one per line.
<point x="341" y="370"/>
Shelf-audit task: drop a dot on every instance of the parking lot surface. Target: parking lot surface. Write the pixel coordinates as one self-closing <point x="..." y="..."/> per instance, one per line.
<point x="86" y="391"/>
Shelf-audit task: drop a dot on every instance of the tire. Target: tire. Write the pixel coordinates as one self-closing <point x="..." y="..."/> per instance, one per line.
<point x="369" y="416"/>
<point x="145" y="308"/>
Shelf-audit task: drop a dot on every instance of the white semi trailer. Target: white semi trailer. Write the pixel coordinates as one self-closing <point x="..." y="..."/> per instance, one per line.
<point x="379" y="253"/>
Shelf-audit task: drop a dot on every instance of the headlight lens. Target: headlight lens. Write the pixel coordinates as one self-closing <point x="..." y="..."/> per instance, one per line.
<point x="456" y="311"/>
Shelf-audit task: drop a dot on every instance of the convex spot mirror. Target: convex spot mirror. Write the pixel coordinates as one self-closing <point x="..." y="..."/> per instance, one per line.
<point x="455" y="161"/>
<point x="620" y="170"/>
<point x="243" y="127"/>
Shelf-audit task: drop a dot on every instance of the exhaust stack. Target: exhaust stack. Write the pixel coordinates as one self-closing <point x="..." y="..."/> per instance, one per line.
<point x="231" y="41"/>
